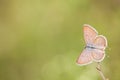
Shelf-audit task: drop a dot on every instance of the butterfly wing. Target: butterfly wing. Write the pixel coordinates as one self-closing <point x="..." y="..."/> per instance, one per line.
<point x="85" y="57"/>
<point x="89" y="34"/>
<point x="100" y="43"/>
<point x="98" y="55"/>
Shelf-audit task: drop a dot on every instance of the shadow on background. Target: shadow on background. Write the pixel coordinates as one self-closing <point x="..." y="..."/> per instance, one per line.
<point x="41" y="40"/>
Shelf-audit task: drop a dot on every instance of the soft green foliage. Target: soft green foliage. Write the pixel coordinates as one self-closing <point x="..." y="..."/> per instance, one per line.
<point x="41" y="39"/>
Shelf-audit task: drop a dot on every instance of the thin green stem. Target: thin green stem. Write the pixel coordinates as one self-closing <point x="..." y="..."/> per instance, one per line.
<point x="100" y="72"/>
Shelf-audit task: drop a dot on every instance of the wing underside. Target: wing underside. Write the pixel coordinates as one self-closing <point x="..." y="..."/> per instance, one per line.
<point x="100" y="42"/>
<point x="85" y="57"/>
<point x="89" y="34"/>
<point x="98" y="55"/>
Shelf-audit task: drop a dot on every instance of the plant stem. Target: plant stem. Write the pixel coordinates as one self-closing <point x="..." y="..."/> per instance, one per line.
<point x="100" y="72"/>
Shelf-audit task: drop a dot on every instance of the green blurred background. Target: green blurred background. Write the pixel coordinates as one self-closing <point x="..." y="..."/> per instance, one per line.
<point x="41" y="39"/>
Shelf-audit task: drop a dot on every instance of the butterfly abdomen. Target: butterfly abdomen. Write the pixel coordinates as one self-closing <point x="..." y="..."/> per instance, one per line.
<point x="91" y="47"/>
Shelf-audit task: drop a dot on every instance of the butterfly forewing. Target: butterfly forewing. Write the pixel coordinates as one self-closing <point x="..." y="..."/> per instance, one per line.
<point x="89" y="34"/>
<point x="85" y="57"/>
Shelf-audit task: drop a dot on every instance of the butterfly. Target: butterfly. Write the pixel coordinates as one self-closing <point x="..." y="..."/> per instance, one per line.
<point x="95" y="46"/>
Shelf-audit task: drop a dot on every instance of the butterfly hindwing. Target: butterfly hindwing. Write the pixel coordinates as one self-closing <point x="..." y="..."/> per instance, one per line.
<point x="98" y="55"/>
<point x="100" y="42"/>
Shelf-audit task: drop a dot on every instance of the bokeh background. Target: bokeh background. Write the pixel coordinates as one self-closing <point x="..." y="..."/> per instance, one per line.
<point x="41" y="39"/>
